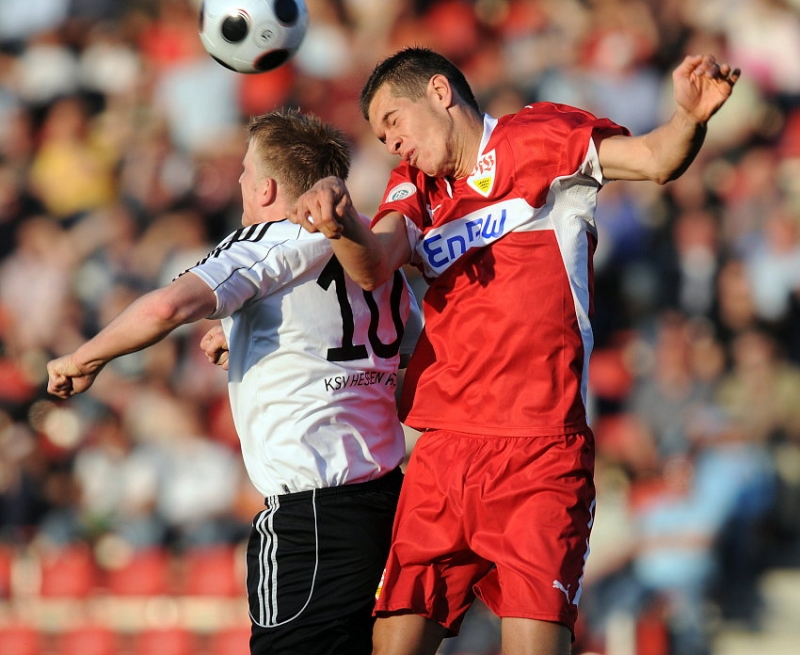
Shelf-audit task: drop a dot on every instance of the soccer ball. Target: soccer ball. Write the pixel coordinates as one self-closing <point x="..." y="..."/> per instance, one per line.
<point x="252" y="36"/>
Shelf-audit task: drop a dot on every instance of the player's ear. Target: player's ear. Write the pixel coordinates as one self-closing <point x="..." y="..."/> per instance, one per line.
<point x="439" y="90"/>
<point x="269" y="191"/>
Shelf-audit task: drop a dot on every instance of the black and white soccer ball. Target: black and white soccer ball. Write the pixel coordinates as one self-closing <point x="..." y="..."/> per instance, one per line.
<point x="252" y="36"/>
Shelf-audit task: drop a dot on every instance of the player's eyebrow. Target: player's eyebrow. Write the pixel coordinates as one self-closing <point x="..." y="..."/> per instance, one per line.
<point x="386" y="114"/>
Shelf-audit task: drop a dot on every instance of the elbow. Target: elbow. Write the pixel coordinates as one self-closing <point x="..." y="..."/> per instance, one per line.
<point x="164" y="312"/>
<point x="662" y="174"/>
<point x="669" y="176"/>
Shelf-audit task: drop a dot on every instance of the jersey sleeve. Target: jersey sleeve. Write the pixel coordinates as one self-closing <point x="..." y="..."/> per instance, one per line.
<point x="239" y="271"/>
<point x="552" y="141"/>
<point x="404" y="194"/>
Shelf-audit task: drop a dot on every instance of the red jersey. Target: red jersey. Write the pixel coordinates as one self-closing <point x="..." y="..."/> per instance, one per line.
<point x="507" y="253"/>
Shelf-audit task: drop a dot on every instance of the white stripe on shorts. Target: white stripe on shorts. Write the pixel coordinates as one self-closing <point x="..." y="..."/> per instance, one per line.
<point x="268" y="573"/>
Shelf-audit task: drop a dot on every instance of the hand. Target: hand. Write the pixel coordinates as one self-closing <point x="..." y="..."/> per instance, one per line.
<point x="320" y="208"/>
<point x="66" y="378"/>
<point x="702" y="85"/>
<point x="215" y="346"/>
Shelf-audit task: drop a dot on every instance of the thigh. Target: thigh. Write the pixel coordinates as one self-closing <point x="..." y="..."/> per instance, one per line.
<point x="533" y="517"/>
<point x="431" y="568"/>
<point x="314" y="564"/>
<point x="530" y="637"/>
<point x="407" y="634"/>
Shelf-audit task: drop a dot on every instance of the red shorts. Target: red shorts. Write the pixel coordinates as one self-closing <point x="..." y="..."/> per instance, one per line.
<point x="504" y="518"/>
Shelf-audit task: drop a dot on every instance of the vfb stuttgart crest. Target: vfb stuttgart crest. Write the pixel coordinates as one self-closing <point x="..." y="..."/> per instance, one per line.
<point x="482" y="178"/>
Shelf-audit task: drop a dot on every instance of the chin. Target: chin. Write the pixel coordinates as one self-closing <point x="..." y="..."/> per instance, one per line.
<point x="436" y="173"/>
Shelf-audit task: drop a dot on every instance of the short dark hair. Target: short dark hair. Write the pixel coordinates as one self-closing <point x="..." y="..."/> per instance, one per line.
<point x="408" y="71"/>
<point x="298" y="149"/>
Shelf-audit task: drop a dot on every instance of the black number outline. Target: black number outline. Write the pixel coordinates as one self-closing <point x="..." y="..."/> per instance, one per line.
<point x="333" y="273"/>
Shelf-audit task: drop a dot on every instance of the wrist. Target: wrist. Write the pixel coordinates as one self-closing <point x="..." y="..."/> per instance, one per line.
<point x="683" y="119"/>
<point x="85" y="364"/>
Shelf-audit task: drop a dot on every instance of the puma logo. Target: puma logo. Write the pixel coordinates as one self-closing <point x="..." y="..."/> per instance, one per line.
<point x="558" y="585"/>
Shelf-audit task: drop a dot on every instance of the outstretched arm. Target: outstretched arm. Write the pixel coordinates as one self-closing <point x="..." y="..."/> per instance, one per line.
<point x="701" y="87"/>
<point x="370" y="256"/>
<point x="145" y="322"/>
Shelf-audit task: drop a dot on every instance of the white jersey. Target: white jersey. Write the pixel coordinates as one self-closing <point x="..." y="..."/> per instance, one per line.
<point x="313" y="359"/>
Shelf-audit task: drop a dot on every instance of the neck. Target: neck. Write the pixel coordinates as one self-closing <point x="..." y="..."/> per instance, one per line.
<point x="469" y="146"/>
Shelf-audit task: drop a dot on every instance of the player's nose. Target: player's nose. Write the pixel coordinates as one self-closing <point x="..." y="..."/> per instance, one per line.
<point x="394" y="146"/>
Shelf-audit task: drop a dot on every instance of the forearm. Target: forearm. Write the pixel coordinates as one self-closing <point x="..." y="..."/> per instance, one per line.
<point x="659" y="156"/>
<point x="367" y="256"/>
<point x="674" y="146"/>
<point x="140" y="325"/>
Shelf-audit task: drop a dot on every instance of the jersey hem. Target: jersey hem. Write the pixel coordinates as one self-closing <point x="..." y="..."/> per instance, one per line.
<point x="496" y="430"/>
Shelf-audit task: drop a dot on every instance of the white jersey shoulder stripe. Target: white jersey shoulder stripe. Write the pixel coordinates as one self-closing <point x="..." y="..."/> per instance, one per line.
<point x="249" y="265"/>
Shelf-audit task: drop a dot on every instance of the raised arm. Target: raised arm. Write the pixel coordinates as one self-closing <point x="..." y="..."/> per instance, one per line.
<point x="143" y="323"/>
<point x="701" y="87"/>
<point x="369" y="255"/>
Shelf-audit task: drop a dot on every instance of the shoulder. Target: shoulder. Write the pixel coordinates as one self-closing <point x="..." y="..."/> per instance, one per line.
<point x="265" y="232"/>
<point x="550" y="128"/>
<point x="553" y="116"/>
<point x="409" y="187"/>
<point x="401" y="180"/>
<point x="262" y="235"/>
<point x="256" y="242"/>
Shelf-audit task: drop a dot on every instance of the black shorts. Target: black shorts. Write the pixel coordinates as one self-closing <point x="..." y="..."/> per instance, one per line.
<point x="314" y="562"/>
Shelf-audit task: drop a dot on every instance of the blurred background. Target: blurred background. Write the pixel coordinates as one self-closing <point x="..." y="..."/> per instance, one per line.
<point x="123" y="512"/>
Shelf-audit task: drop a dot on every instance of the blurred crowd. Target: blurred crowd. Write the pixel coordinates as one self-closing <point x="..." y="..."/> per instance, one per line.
<point x="120" y="149"/>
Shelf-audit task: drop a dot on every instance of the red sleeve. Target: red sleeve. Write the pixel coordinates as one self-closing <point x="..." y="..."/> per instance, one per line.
<point x="404" y="194"/>
<point x="551" y="141"/>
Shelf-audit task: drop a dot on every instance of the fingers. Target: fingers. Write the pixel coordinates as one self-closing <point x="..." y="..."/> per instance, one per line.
<point x="58" y="389"/>
<point x="321" y="208"/>
<point x="215" y="345"/>
<point x="301" y="215"/>
<point x="708" y="66"/>
<point x="316" y="212"/>
<point x="59" y="385"/>
<point x="219" y="357"/>
<point x="731" y="75"/>
<point x="213" y="338"/>
<point x="343" y="206"/>
<point x="206" y="340"/>
<point x="723" y="72"/>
